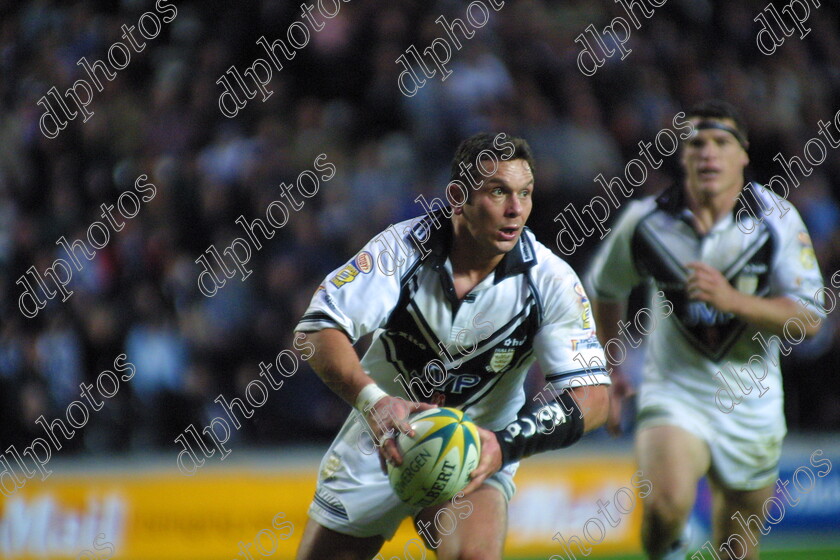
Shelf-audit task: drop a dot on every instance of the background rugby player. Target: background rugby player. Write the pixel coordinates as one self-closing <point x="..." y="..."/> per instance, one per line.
<point x="728" y="288"/>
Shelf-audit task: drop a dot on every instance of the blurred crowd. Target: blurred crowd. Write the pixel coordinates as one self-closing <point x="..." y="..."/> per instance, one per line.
<point x="338" y="96"/>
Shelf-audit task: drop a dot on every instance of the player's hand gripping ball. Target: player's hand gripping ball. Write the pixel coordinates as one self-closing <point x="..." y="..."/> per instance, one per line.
<point x="438" y="460"/>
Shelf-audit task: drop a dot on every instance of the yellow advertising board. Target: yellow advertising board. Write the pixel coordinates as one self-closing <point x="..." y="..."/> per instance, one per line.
<point x="560" y="495"/>
<point x="233" y="512"/>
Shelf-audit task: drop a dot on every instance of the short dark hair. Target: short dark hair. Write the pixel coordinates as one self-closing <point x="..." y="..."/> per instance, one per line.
<point x="502" y="147"/>
<point x="719" y="109"/>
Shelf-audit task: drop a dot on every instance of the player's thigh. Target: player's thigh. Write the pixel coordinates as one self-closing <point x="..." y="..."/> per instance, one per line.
<point x="480" y="534"/>
<point x="727" y="506"/>
<point x="320" y="543"/>
<point x="673" y="459"/>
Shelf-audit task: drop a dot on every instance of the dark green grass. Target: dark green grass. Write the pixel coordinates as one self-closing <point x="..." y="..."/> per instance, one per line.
<point x="827" y="554"/>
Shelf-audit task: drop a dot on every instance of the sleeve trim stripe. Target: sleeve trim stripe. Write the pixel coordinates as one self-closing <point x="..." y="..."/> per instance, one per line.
<point x="576" y="373"/>
<point x="591" y="381"/>
<point x="603" y="296"/>
<point x="318" y="316"/>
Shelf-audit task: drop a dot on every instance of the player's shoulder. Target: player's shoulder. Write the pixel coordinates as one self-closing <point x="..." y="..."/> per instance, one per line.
<point x="632" y="213"/>
<point x="645" y="204"/>
<point x="548" y="263"/>
<point x="774" y="211"/>
<point x="551" y="273"/>
<point x="399" y="247"/>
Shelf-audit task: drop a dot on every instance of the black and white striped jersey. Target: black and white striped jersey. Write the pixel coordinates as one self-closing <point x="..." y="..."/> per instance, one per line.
<point x="770" y="256"/>
<point x="471" y="354"/>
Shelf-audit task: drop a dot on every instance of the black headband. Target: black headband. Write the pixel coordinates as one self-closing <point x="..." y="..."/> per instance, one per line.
<point x="706" y="124"/>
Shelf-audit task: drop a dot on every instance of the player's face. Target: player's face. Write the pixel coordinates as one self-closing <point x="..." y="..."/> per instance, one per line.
<point x="713" y="161"/>
<point x="497" y="211"/>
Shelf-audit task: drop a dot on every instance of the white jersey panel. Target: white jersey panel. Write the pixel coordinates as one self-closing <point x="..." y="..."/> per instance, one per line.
<point x="358" y="296"/>
<point x="566" y="343"/>
<point x="613" y="274"/>
<point x="472" y="354"/>
<point x="696" y="351"/>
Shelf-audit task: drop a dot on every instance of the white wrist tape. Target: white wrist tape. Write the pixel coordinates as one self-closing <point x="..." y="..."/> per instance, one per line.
<point x="369" y="396"/>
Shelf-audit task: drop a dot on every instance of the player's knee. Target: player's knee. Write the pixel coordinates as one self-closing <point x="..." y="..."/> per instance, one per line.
<point x="478" y="552"/>
<point x="666" y="510"/>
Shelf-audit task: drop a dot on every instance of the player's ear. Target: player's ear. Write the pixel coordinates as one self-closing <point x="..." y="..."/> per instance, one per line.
<point x="456" y="195"/>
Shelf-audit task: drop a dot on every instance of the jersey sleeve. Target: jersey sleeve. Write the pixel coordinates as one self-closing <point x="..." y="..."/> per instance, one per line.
<point x="358" y="297"/>
<point x="566" y="345"/>
<point x="612" y="273"/>
<point x="796" y="273"/>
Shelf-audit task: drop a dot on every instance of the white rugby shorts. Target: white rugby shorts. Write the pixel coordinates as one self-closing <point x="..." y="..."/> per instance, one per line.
<point x="742" y="459"/>
<point x="355" y="498"/>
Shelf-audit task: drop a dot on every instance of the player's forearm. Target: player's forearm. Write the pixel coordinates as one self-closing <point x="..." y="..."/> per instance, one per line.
<point x="771" y="314"/>
<point x="337" y="364"/>
<point x="542" y="426"/>
<point x="594" y="404"/>
<point x="607" y="314"/>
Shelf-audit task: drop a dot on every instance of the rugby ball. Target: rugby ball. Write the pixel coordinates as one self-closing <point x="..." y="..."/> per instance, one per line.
<point x="438" y="460"/>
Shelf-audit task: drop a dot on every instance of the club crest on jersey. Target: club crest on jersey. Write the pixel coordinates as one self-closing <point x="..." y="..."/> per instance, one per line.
<point x="331" y="465"/>
<point x="746" y="283"/>
<point x="501" y="359"/>
<point x="586" y="313"/>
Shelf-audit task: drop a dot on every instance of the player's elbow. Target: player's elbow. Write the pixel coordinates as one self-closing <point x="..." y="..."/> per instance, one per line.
<point x="594" y="405"/>
<point x="812" y="330"/>
<point x="808" y="326"/>
<point x="805" y="320"/>
<point x="813" y="322"/>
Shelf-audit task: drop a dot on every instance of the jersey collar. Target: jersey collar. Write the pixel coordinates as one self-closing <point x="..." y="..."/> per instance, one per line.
<point x="520" y="259"/>
<point x="673" y="201"/>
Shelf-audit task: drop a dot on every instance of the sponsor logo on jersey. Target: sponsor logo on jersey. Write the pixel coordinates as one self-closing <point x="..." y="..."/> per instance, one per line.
<point x="501" y="359"/>
<point x="456" y="382"/>
<point x="586" y="313"/>
<point x="746" y="283"/>
<point x="701" y="313"/>
<point x="364" y="262"/>
<point x="412" y="339"/>
<point x="331" y="302"/>
<point x="525" y="251"/>
<point x="513" y="342"/>
<point x="807" y="257"/>
<point x="345" y="276"/>
<point x="754" y="268"/>
<point x="804" y="239"/>
<point x="585" y="343"/>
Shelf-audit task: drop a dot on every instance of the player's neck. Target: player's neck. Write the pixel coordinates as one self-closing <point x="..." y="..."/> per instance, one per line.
<point x="709" y="208"/>
<point x="470" y="266"/>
